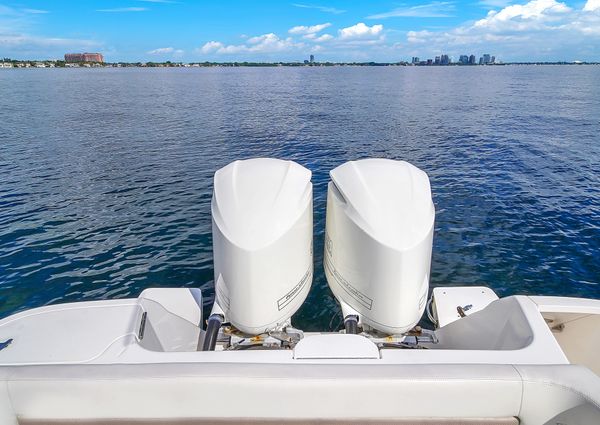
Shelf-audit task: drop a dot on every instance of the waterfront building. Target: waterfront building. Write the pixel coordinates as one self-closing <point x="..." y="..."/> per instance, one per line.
<point x="83" y="57"/>
<point x="444" y="60"/>
<point x="486" y="58"/>
<point x="312" y="58"/>
<point x="463" y="60"/>
<point x="493" y="59"/>
<point x="472" y="60"/>
<point x="415" y="60"/>
<point x="6" y="65"/>
<point x="437" y="60"/>
<point x="429" y="62"/>
<point x="481" y="60"/>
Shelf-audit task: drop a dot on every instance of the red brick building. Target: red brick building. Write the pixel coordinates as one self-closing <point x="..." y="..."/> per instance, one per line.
<point x="84" y="57"/>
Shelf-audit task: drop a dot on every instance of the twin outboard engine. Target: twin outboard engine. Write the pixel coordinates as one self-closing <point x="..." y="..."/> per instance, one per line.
<point x="262" y="243"/>
<point x="378" y="242"/>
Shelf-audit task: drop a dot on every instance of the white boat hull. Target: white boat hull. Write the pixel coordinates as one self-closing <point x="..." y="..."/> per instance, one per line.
<point x="99" y="371"/>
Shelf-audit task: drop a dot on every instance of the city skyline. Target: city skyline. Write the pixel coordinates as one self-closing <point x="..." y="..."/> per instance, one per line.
<point x="270" y="31"/>
<point x="444" y="59"/>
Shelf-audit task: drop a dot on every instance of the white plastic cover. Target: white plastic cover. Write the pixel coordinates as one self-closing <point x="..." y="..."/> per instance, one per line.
<point x="262" y="241"/>
<point x="379" y="236"/>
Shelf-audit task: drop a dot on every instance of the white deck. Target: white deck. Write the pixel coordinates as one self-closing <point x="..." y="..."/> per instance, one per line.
<point x="521" y="357"/>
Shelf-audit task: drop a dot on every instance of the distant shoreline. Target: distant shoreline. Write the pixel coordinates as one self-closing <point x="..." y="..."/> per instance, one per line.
<point x="61" y="64"/>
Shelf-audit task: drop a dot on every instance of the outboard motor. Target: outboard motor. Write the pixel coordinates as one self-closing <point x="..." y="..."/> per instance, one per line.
<point x="262" y="243"/>
<point x="378" y="243"/>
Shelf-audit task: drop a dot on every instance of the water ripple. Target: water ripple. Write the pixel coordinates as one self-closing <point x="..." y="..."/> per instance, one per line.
<point x="106" y="175"/>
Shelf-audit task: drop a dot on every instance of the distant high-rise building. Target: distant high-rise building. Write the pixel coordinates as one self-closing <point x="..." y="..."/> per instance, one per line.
<point x="312" y="58"/>
<point x="481" y="60"/>
<point x="415" y="60"/>
<point x="493" y="59"/>
<point x="84" y="57"/>
<point x="486" y="58"/>
<point x="444" y="60"/>
<point x="463" y="60"/>
<point x="437" y="60"/>
<point x="472" y="60"/>
<point x="429" y="62"/>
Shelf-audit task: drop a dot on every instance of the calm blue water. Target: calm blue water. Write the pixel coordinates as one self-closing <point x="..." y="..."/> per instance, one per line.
<point x="106" y="174"/>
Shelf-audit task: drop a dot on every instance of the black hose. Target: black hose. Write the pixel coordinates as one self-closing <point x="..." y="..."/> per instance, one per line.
<point x="212" y="331"/>
<point x="351" y="324"/>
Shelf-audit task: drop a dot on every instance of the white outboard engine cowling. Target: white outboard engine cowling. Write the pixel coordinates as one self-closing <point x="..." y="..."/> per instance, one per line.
<point x="262" y="241"/>
<point x="378" y="241"/>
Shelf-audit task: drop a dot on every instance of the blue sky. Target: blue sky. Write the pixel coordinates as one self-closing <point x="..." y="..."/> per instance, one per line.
<point x="186" y="30"/>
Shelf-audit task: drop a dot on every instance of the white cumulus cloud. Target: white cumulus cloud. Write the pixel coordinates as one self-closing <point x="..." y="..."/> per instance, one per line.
<point x="167" y="51"/>
<point x="318" y="38"/>
<point x="211" y="46"/>
<point x="266" y="43"/>
<point x="534" y="30"/>
<point x="161" y="51"/>
<point x="323" y="38"/>
<point x="532" y="15"/>
<point x="592" y="5"/>
<point x="360" y="30"/>
<point x="514" y="30"/>
<point x="301" y="29"/>
<point x="269" y="38"/>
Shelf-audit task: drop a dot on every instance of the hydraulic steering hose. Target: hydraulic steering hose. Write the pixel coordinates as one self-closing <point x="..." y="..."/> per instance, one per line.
<point x="212" y="331"/>
<point x="351" y="324"/>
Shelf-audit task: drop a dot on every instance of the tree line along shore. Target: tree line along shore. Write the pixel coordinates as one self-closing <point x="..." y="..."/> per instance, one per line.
<point x="12" y="63"/>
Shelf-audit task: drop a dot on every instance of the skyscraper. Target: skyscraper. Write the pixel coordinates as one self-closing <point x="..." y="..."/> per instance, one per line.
<point x="464" y="60"/>
<point x="444" y="60"/>
<point x="437" y="60"/>
<point x="486" y="58"/>
<point x="472" y="60"/>
<point x="312" y="58"/>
